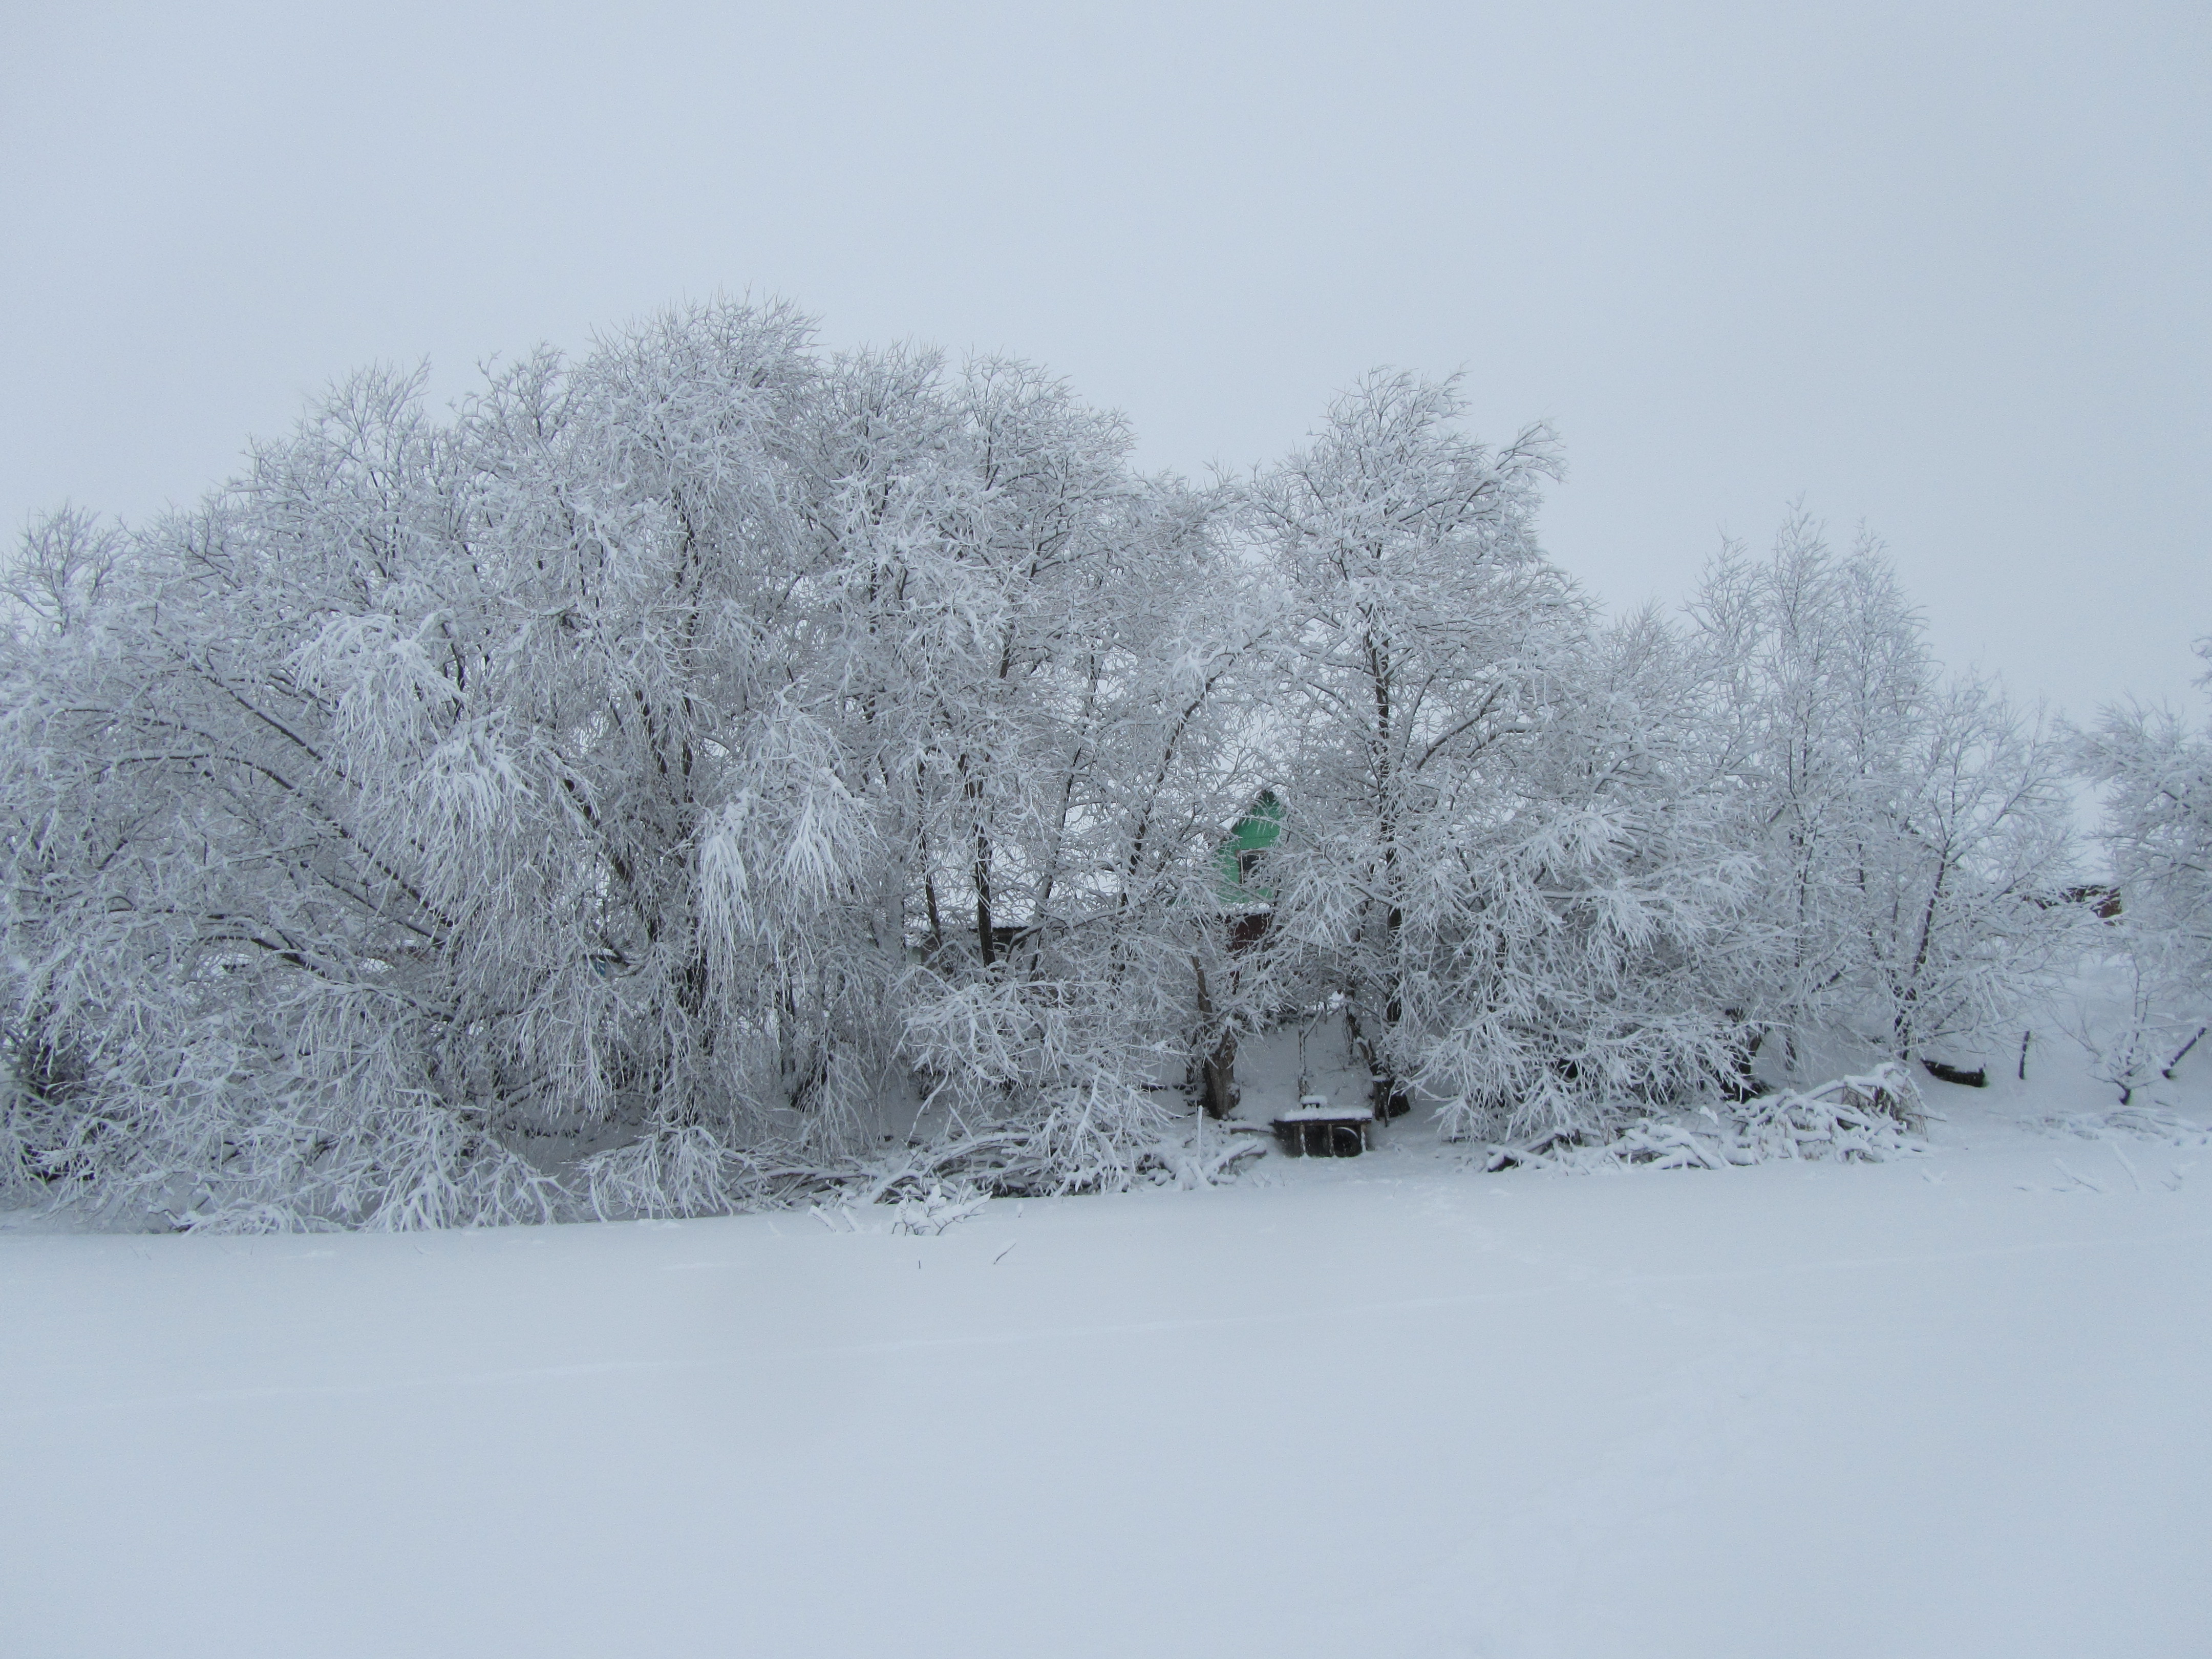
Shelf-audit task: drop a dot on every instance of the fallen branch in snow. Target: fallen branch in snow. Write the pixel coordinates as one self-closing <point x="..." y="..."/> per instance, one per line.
<point x="926" y="1214"/>
<point x="933" y="1187"/>
<point x="2082" y="1179"/>
<point x="1187" y="1166"/>
<point x="941" y="1207"/>
<point x="1867" y="1118"/>
<point x="2127" y="1163"/>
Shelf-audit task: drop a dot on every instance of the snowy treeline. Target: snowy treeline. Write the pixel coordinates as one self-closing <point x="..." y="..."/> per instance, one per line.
<point x="687" y="768"/>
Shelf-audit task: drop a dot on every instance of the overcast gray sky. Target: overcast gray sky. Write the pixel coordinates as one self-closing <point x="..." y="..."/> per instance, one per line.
<point x="1941" y="268"/>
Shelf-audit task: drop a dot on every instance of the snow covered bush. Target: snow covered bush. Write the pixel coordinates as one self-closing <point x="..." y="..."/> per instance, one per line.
<point x="1870" y="1118"/>
<point x="1867" y="1118"/>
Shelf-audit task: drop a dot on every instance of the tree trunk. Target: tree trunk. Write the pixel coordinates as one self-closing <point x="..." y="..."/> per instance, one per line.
<point x="1218" y="1089"/>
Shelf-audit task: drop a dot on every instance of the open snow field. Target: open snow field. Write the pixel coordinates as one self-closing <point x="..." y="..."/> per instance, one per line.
<point x="1950" y="1405"/>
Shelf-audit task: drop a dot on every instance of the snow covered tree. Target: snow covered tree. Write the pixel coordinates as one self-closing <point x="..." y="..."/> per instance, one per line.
<point x="1910" y="833"/>
<point x="1051" y="731"/>
<point x="690" y="766"/>
<point x="1578" y="959"/>
<point x="2156" y="776"/>
<point x="1489" y="853"/>
<point x="617" y="794"/>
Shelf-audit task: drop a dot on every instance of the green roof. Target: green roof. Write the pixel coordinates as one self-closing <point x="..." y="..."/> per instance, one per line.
<point x="1255" y="833"/>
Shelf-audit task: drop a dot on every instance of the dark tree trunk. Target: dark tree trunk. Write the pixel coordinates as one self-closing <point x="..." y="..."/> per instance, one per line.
<point x="1218" y="1089"/>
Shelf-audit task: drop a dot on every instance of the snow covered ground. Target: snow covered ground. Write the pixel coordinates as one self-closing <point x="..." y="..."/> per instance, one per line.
<point x="1950" y="1405"/>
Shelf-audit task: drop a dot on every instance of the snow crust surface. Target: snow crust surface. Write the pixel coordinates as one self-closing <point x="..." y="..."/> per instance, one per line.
<point x="1953" y="1406"/>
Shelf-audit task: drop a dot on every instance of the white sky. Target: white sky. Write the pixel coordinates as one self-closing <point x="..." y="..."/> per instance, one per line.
<point x="1945" y="269"/>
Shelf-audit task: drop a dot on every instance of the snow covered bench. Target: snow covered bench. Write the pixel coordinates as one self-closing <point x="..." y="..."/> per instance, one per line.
<point x="1313" y="1128"/>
